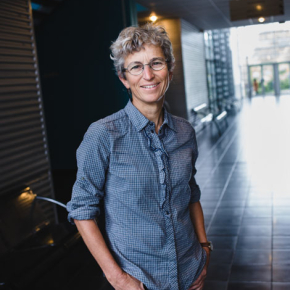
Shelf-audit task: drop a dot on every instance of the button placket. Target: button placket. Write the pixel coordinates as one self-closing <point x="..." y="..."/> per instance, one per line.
<point x="162" y="158"/>
<point x="156" y="145"/>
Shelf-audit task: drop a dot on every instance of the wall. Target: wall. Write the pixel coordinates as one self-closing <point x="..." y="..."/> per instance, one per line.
<point x="188" y="88"/>
<point x="194" y="65"/>
<point x="78" y="82"/>
<point x="175" y="95"/>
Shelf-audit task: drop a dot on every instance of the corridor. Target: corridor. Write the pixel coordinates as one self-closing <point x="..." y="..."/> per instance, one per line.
<point x="245" y="182"/>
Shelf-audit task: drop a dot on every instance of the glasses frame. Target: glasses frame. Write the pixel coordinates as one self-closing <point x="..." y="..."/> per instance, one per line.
<point x="149" y="64"/>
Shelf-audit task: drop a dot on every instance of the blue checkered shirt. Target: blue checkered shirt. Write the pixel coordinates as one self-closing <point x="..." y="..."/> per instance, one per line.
<point x="146" y="182"/>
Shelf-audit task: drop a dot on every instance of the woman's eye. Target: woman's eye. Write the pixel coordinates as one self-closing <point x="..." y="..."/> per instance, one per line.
<point x="157" y="63"/>
<point x="136" y="67"/>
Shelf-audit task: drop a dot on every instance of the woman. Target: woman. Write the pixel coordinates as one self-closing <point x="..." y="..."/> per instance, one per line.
<point x="141" y="162"/>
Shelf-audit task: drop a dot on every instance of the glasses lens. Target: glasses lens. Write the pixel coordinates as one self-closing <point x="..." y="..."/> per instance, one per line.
<point x="158" y="64"/>
<point x="135" y="68"/>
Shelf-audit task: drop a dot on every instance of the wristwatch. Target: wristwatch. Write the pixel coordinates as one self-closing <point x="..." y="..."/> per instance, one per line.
<point x="207" y="245"/>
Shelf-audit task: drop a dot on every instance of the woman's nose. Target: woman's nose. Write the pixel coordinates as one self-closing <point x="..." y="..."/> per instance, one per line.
<point x="148" y="72"/>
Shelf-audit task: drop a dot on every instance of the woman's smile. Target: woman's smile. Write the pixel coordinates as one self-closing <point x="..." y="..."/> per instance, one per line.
<point x="150" y="87"/>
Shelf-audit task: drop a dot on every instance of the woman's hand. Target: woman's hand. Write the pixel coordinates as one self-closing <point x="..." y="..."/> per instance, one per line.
<point x="199" y="282"/>
<point x="127" y="282"/>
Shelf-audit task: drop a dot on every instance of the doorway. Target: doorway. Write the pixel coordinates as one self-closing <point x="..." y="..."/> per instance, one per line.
<point x="284" y="78"/>
<point x="269" y="79"/>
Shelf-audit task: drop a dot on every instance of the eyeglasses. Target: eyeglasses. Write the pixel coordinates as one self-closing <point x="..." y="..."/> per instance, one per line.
<point x="136" y="68"/>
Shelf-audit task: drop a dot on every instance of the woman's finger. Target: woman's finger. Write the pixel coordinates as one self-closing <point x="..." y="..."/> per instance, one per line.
<point x="195" y="286"/>
<point x="198" y="283"/>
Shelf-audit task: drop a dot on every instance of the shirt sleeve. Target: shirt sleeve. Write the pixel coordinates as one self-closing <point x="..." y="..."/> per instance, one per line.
<point x="195" y="190"/>
<point x="92" y="161"/>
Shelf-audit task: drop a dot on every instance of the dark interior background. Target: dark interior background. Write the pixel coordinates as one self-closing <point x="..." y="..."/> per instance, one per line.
<point x="78" y="81"/>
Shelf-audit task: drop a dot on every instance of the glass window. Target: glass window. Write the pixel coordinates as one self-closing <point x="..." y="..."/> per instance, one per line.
<point x="284" y="78"/>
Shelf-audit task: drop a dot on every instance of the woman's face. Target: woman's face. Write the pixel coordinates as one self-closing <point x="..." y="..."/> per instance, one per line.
<point x="150" y="86"/>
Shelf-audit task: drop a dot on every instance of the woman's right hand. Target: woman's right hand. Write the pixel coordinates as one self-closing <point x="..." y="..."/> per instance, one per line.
<point x="127" y="282"/>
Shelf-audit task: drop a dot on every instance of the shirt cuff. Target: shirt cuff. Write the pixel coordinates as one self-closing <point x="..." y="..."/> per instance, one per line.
<point x="82" y="213"/>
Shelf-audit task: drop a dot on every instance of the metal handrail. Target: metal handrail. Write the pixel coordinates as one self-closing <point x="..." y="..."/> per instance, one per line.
<point x="51" y="200"/>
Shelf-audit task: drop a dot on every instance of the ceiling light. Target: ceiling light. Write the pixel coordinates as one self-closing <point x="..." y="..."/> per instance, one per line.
<point x="246" y="9"/>
<point x="153" y="17"/>
<point x="261" y="19"/>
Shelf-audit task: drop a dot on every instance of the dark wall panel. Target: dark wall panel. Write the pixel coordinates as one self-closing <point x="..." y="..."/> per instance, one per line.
<point x="78" y="81"/>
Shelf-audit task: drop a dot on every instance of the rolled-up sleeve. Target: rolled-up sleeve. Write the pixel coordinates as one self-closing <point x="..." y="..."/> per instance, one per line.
<point x="92" y="161"/>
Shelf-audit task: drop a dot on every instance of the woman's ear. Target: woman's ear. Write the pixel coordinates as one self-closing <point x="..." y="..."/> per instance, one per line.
<point x="124" y="81"/>
<point x="170" y="76"/>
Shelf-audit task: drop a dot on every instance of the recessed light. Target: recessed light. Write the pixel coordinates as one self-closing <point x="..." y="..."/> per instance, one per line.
<point x="261" y="19"/>
<point x="153" y="17"/>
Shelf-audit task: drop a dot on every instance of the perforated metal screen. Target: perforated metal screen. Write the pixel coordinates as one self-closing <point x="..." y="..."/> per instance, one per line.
<point x="24" y="157"/>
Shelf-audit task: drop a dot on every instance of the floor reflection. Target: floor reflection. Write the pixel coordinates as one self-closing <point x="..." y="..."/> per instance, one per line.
<point x="245" y="182"/>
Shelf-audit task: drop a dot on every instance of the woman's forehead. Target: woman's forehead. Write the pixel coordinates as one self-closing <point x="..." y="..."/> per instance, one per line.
<point x="147" y="52"/>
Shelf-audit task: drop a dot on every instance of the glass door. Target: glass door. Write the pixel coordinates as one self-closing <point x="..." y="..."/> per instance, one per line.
<point x="268" y="80"/>
<point x="284" y="78"/>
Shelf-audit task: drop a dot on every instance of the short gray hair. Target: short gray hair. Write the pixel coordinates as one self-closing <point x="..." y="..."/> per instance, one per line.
<point x="132" y="39"/>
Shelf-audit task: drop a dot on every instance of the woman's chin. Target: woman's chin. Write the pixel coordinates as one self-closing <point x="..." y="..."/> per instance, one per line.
<point x="148" y="99"/>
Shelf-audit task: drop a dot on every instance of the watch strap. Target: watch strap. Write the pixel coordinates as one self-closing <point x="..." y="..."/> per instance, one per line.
<point x="207" y="245"/>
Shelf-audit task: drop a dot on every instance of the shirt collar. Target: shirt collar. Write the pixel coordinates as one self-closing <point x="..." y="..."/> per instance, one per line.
<point x="140" y="121"/>
<point x="137" y="119"/>
<point x="168" y="120"/>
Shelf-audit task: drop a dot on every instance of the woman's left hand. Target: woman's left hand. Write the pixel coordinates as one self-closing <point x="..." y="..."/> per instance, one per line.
<point x="199" y="282"/>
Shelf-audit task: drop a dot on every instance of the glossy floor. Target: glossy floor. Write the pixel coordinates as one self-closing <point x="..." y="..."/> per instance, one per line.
<point x="245" y="180"/>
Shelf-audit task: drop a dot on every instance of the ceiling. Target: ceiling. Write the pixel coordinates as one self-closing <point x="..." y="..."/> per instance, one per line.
<point x="205" y="14"/>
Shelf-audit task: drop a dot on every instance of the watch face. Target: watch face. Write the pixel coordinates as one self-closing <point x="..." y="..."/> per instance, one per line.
<point x="210" y="246"/>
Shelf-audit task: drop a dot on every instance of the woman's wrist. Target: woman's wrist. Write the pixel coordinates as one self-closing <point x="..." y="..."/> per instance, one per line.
<point x="207" y="250"/>
<point x="114" y="275"/>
